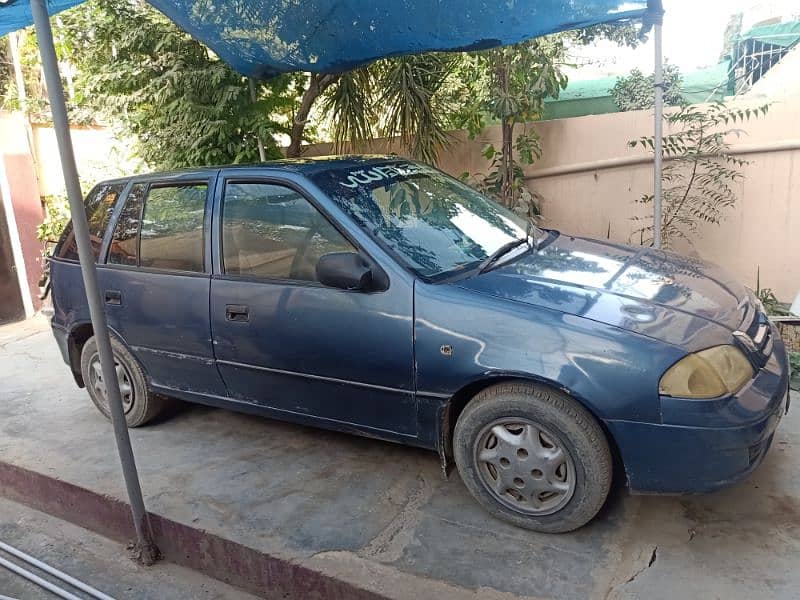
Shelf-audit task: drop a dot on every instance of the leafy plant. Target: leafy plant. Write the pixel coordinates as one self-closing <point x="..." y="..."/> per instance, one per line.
<point x="408" y="87"/>
<point x="699" y="170"/>
<point x="636" y="91"/>
<point x="394" y="98"/>
<point x="179" y="101"/>
<point x="770" y="302"/>
<point x="768" y="299"/>
<point x="6" y="72"/>
<point x="509" y="86"/>
<point x="524" y="202"/>
<point x="56" y="209"/>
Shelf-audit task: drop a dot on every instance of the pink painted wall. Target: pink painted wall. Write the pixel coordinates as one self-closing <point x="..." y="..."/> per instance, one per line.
<point x="21" y="175"/>
<point x="585" y="193"/>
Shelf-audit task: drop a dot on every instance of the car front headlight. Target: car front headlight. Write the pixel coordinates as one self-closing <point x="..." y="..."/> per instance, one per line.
<point x="710" y="373"/>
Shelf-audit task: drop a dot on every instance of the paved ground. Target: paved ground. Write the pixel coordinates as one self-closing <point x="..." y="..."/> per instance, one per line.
<point x="380" y="515"/>
<point x="94" y="560"/>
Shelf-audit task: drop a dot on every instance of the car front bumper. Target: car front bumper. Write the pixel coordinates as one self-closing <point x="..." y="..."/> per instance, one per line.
<point x="702" y="446"/>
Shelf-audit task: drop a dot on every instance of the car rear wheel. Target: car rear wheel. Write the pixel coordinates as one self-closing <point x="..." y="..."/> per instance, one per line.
<point x="533" y="456"/>
<point x="138" y="402"/>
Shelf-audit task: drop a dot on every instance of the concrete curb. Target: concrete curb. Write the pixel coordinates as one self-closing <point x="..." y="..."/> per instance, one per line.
<point x="217" y="557"/>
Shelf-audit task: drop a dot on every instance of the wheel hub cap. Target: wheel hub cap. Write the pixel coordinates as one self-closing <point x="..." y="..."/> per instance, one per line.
<point x="525" y="466"/>
<point x="97" y="382"/>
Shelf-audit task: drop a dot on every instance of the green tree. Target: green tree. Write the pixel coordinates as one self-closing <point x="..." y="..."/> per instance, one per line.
<point x="637" y="91"/>
<point x="509" y="86"/>
<point x="521" y="78"/>
<point x="183" y="105"/>
<point x="186" y="107"/>
<point x="394" y="98"/>
<point x="417" y="99"/>
<point x="6" y="72"/>
<point x="699" y="172"/>
<point x="32" y="100"/>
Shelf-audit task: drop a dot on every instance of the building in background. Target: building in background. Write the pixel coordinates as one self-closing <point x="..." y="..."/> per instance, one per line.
<point x="764" y="61"/>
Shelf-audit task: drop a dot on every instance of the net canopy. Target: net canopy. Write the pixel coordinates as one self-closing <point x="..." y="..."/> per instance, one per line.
<point x="261" y="38"/>
<point x="778" y="34"/>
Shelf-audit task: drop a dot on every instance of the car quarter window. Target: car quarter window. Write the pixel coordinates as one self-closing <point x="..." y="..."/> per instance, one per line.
<point x="271" y="231"/>
<point x="99" y="206"/>
<point x="124" y="249"/>
<point x="161" y="228"/>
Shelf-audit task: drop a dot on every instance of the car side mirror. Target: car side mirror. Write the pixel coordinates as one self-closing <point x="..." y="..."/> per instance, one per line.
<point x="344" y="270"/>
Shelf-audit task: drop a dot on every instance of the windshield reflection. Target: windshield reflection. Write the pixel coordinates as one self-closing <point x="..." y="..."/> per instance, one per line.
<point x="437" y="224"/>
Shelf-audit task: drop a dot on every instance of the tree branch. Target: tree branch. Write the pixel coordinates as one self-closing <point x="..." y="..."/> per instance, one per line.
<point x="316" y="87"/>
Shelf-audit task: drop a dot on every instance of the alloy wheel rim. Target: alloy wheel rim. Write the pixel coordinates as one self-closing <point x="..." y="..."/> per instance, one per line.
<point x="123" y="376"/>
<point x="525" y="466"/>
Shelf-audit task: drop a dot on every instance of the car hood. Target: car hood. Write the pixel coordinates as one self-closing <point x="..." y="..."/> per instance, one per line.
<point x="672" y="298"/>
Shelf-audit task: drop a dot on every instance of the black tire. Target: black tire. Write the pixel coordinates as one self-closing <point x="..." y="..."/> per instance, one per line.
<point x="143" y="405"/>
<point x="565" y="424"/>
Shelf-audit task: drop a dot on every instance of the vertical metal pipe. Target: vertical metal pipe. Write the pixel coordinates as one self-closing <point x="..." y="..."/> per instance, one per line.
<point x="262" y="155"/>
<point x="147" y="550"/>
<point x="658" y="133"/>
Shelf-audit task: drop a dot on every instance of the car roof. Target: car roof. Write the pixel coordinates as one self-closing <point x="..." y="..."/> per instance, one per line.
<point x="304" y="166"/>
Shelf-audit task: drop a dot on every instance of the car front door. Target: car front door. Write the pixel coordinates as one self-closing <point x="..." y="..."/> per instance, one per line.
<point x="155" y="282"/>
<point x="286" y="342"/>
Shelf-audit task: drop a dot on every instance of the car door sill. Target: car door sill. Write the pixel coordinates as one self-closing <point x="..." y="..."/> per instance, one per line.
<point x="288" y="415"/>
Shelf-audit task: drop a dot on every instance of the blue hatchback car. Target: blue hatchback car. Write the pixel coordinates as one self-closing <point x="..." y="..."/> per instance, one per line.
<point x="382" y="297"/>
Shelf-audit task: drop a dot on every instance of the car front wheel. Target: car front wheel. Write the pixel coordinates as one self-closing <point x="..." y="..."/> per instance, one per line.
<point x="533" y="456"/>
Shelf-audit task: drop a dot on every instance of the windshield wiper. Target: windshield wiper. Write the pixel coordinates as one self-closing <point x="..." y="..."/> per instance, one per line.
<point x="552" y="234"/>
<point x="502" y="250"/>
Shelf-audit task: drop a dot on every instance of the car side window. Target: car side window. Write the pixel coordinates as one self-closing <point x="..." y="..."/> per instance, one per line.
<point x="99" y="205"/>
<point x="161" y="228"/>
<point x="172" y="228"/>
<point x="271" y="231"/>
<point x="124" y="249"/>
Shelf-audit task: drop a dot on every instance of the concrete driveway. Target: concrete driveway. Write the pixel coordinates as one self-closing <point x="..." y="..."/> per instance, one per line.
<point x="380" y="517"/>
<point x="95" y="561"/>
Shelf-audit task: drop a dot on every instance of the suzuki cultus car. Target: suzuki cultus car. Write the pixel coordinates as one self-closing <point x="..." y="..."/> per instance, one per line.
<point x="382" y="297"/>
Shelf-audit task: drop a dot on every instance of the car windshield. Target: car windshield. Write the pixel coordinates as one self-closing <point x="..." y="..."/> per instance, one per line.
<point x="436" y="224"/>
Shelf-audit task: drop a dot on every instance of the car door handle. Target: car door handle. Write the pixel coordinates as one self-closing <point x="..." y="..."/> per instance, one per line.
<point x="113" y="297"/>
<point x="237" y="312"/>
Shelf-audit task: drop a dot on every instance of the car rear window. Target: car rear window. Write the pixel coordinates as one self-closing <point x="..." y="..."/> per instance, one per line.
<point x="161" y="228"/>
<point x="98" y="205"/>
<point x="172" y="228"/>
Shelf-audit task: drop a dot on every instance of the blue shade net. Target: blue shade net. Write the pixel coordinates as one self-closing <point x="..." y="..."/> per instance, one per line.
<point x="16" y="14"/>
<point x="261" y="38"/>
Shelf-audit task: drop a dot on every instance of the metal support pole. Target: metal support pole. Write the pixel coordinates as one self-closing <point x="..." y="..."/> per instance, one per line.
<point x="146" y="550"/>
<point x="262" y="155"/>
<point x="658" y="81"/>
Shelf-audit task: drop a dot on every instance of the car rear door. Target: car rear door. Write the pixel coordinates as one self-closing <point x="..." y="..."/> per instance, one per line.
<point x="286" y="342"/>
<point x="156" y="280"/>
